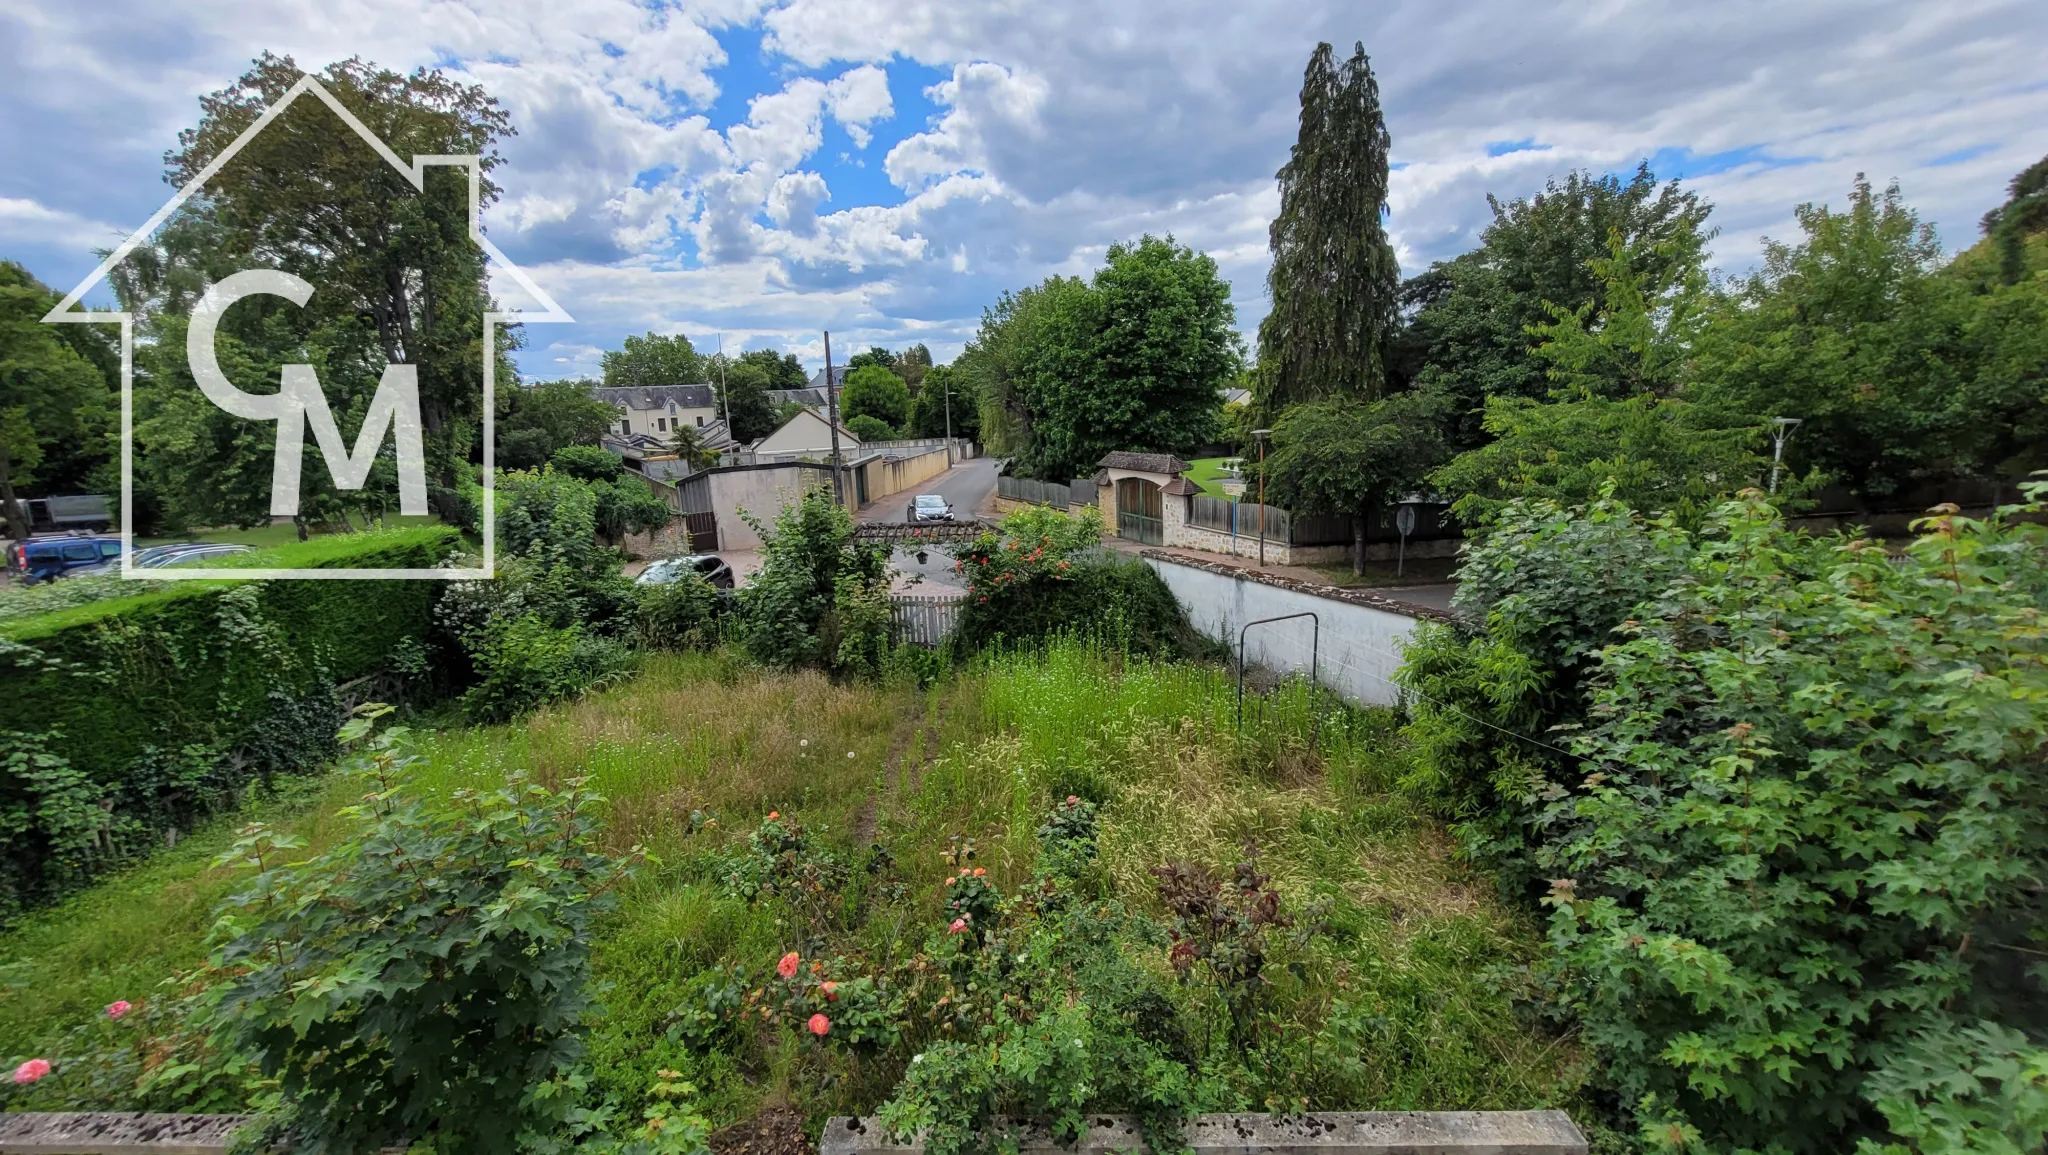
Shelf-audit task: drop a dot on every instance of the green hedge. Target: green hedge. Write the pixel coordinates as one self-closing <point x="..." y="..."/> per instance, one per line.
<point x="1119" y="601"/>
<point x="154" y="708"/>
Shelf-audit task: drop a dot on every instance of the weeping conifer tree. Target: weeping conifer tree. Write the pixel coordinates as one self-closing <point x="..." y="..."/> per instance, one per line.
<point x="1334" y="278"/>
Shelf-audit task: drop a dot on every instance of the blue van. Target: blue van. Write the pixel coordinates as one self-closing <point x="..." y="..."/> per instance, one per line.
<point x="43" y="558"/>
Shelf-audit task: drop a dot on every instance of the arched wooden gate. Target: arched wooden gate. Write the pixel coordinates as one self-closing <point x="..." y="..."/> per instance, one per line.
<point x="1139" y="511"/>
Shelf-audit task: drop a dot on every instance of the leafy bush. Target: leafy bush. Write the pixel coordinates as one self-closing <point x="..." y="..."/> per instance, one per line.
<point x="1805" y="850"/>
<point x="1223" y="928"/>
<point x="790" y="608"/>
<point x="868" y="428"/>
<point x="154" y="1055"/>
<point x="522" y="663"/>
<point x="587" y="463"/>
<point x="676" y="615"/>
<point x="417" y="981"/>
<point x="1039" y="574"/>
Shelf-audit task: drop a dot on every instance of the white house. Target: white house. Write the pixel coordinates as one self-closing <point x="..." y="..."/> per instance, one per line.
<point x="659" y="410"/>
<point x="807" y="435"/>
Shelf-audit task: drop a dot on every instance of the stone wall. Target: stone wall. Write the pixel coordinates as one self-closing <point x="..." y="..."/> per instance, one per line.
<point x="1322" y="1133"/>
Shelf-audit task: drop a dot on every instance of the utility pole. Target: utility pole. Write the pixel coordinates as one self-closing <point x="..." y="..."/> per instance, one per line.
<point x="1781" y="428"/>
<point x="832" y="419"/>
<point x="948" y="387"/>
<point x="722" y="390"/>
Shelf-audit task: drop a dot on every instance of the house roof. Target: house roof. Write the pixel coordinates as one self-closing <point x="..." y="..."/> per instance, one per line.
<point x="639" y="445"/>
<point x="1237" y="396"/>
<point x="1180" y="487"/>
<point x="1165" y="463"/>
<point x="838" y="377"/>
<point x="812" y="397"/>
<point x="717" y="436"/>
<point x="656" y="397"/>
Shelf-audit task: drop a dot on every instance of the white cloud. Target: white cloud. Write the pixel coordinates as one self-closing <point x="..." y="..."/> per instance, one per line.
<point x="1060" y="126"/>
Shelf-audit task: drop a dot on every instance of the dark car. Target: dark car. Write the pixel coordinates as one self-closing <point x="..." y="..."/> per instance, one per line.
<point x="45" y="558"/>
<point x="710" y="567"/>
<point x="928" y="507"/>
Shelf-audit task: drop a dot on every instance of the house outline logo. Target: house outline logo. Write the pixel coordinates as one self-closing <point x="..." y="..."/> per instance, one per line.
<point x="67" y="310"/>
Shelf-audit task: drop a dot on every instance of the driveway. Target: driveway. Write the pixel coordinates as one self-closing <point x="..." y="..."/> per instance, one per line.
<point x="970" y="488"/>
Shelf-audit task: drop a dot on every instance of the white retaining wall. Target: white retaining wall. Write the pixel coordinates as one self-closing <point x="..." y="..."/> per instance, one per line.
<point x="1362" y="634"/>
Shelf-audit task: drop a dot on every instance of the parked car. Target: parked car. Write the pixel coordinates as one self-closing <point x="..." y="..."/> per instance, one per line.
<point x="45" y="558"/>
<point x="928" y="507"/>
<point x="710" y="567"/>
<point x="159" y="556"/>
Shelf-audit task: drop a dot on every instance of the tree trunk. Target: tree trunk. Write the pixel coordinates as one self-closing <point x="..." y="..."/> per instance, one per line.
<point x="1358" y="545"/>
<point x="17" y="524"/>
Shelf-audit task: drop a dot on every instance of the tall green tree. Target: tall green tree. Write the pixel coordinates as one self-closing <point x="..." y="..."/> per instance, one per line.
<point x="394" y="263"/>
<point x="541" y="419"/>
<point x="653" y="360"/>
<point x="945" y="402"/>
<point x="56" y="404"/>
<point x="1850" y="330"/>
<point x="1334" y="279"/>
<point x="873" y="391"/>
<point x="1348" y="457"/>
<point x="784" y="370"/>
<point x="913" y="364"/>
<point x="872" y="355"/>
<point x="1472" y="333"/>
<point x="2024" y="214"/>
<point x="1132" y="358"/>
<point x="1639" y="336"/>
<point x="743" y="398"/>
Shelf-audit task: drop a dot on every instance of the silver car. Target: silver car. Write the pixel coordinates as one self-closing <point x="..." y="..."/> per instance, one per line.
<point x="928" y="507"/>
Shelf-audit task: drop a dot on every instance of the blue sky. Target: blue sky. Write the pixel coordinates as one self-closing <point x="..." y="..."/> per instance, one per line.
<point x="761" y="170"/>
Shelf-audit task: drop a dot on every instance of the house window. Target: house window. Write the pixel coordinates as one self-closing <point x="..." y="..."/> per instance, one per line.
<point x="626" y="425"/>
<point x="661" y="425"/>
<point x="700" y="423"/>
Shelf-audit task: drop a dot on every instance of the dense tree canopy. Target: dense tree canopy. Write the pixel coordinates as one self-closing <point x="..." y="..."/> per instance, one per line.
<point x="399" y="280"/>
<point x="873" y="391"/>
<point x="742" y="392"/>
<point x="654" y="360"/>
<point x="541" y="419"/>
<point x="1132" y="358"/>
<point x="1345" y="457"/>
<point x="783" y="370"/>
<point x="943" y="403"/>
<point x="57" y="406"/>
<point x="1334" y="278"/>
<point x="1470" y="329"/>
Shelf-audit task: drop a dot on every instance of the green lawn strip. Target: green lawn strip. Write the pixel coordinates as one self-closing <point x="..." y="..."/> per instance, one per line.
<point x="1207" y="472"/>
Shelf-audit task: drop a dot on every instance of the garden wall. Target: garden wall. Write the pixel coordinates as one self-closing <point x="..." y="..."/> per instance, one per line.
<point x="1362" y="633"/>
<point x="1321" y="1133"/>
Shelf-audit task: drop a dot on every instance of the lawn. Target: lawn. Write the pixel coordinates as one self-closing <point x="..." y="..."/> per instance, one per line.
<point x="1208" y="473"/>
<point x="265" y="536"/>
<point x="1412" y="972"/>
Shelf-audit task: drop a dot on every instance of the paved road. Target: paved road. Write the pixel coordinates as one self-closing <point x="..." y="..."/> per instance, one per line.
<point x="970" y="487"/>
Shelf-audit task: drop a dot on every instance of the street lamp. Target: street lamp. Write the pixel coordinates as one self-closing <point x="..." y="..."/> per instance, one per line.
<point x="1260" y="436"/>
<point x="1781" y="428"/>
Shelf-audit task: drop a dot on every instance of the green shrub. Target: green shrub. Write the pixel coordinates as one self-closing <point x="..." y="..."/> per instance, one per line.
<point x="429" y="976"/>
<point x="587" y="463"/>
<point x="156" y="709"/>
<point x="523" y="663"/>
<point x="790" y="608"/>
<point x="1795" y="856"/>
<point x="868" y="428"/>
<point x="1040" y="574"/>
<point x="676" y="615"/>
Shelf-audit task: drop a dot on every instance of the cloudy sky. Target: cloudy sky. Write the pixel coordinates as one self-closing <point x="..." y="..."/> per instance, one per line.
<point x="884" y="168"/>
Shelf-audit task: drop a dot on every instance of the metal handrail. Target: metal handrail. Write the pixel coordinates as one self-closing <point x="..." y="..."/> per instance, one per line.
<point x="1314" y="652"/>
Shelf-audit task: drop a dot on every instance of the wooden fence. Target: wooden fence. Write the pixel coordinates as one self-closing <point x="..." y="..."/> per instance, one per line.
<point x="1035" y="491"/>
<point x="924" y="619"/>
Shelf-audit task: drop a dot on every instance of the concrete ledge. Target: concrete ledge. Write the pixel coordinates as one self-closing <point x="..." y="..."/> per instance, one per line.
<point x="1326" y="1133"/>
<point x="1314" y="589"/>
<point x="115" y="1133"/>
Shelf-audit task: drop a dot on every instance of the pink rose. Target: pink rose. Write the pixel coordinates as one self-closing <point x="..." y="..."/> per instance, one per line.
<point x="959" y="924"/>
<point x="32" y="1071"/>
<point x="787" y="967"/>
<point x="831" y="990"/>
<point x="819" y="1024"/>
<point x="118" y="1008"/>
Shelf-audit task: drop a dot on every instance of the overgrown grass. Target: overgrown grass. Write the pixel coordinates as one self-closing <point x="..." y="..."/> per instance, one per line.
<point x="699" y="748"/>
